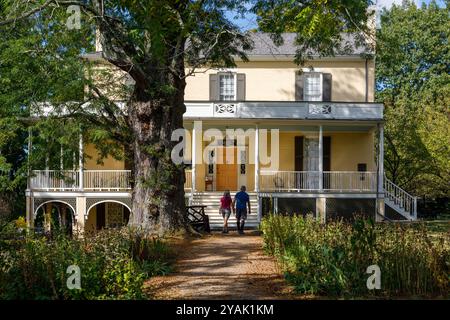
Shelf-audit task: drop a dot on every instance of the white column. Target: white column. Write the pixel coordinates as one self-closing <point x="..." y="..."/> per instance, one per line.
<point x="81" y="214"/>
<point x="80" y="164"/>
<point x="193" y="158"/>
<point x="321" y="209"/>
<point x="320" y="157"/>
<point x="257" y="159"/>
<point x="381" y="158"/>
<point x="30" y="147"/>
<point x="380" y="178"/>
<point x="61" y="159"/>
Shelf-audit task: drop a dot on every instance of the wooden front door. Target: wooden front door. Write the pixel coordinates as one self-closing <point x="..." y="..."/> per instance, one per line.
<point x="226" y="171"/>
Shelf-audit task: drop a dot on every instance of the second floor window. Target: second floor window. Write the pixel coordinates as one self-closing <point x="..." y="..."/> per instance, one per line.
<point x="313" y="87"/>
<point x="227" y="87"/>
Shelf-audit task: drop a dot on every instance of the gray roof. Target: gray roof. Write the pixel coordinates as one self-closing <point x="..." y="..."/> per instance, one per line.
<point x="264" y="46"/>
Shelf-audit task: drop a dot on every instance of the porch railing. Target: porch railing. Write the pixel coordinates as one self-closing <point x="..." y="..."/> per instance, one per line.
<point x="338" y="181"/>
<point x="54" y="180"/>
<point x="349" y="181"/>
<point x="107" y="180"/>
<point x="69" y="180"/>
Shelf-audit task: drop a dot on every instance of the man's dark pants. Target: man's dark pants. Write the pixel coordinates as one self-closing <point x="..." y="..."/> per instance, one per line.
<point x="241" y="216"/>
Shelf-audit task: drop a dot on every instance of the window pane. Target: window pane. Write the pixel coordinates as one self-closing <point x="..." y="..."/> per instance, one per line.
<point x="313" y="87"/>
<point x="227" y="87"/>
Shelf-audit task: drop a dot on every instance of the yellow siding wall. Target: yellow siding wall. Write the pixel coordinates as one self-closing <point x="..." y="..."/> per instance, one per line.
<point x="349" y="149"/>
<point x="109" y="163"/>
<point x="275" y="81"/>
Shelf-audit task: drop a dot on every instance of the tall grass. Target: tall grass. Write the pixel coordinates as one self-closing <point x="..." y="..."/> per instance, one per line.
<point x="332" y="258"/>
<point x="113" y="264"/>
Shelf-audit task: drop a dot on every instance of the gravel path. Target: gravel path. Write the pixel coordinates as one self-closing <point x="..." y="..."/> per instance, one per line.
<point x="221" y="266"/>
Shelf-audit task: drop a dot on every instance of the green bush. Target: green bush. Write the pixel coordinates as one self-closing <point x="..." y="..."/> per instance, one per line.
<point x="332" y="258"/>
<point x="113" y="265"/>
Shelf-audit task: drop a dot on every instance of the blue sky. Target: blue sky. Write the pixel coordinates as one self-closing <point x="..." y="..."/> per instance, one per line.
<point x="249" y="21"/>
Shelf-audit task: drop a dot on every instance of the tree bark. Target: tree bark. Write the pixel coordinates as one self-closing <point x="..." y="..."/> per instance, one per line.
<point x="158" y="204"/>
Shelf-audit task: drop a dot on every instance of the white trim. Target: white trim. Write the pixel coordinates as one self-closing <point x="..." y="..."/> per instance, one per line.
<point x="257" y="158"/>
<point x="50" y="201"/>
<point x="320" y="157"/>
<point x="106" y="201"/>
<point x="63" y="194"/>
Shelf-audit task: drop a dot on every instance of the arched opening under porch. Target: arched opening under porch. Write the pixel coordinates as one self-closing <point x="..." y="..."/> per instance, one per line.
<point x="108" y="214"/>
<point x="54" y="215"/>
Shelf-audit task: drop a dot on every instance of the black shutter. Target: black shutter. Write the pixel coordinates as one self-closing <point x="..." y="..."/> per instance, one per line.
<point x="326" y="86"/>
<point x="326" y="153"/>
<point x="298" y="153"/>
<point x="298" y="87"/>
<point x="240" y="94"/>
<point x="213" y="87"/>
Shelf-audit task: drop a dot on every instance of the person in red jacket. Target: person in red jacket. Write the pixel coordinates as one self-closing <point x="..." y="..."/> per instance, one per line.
<point x="225" y="209"/>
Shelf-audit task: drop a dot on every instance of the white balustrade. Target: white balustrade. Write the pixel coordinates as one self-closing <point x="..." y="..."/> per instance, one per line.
<point x="338" y="181"/>
<point x="68" y="180"/>
<point x="349" y="181"/>
<point x="107" y="180"/>
<point x="54" y="180"/>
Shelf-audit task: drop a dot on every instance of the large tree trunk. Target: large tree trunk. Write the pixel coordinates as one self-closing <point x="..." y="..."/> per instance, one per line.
<point x="158" y="195"/>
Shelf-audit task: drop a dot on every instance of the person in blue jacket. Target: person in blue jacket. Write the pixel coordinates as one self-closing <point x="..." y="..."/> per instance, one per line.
<point x="240" y="204"/>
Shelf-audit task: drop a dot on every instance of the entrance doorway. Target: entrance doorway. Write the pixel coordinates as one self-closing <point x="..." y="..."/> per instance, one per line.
<point x="226" y="168"/>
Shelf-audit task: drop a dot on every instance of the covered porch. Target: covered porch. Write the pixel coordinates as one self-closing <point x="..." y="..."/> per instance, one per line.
<point x="295" y="157"/>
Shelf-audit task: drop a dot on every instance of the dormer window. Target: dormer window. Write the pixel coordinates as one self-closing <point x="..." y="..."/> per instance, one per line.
<point x="227" y="87"/>
<point x="312" y="86"/>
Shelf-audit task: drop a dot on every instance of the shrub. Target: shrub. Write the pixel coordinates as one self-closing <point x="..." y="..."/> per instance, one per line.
<point x="332" y="258"/>
<point x="113" y="264"/>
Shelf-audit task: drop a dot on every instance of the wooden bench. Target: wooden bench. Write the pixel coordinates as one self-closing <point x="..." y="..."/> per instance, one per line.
<point x="198" y="219"/>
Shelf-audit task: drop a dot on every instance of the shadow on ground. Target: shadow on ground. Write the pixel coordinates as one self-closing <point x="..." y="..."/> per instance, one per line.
<point x="221" y="266"/>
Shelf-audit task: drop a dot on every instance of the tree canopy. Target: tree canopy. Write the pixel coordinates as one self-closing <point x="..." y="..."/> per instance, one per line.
<point x="156" y="44"/>
<point x="413" y="82"/>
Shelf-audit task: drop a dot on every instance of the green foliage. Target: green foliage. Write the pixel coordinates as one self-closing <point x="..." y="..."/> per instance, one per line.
<point x="332" y="258"/>
<point x="413" y="82"/>
<point x="320" y="25"/>
<point x="113" y="264"/>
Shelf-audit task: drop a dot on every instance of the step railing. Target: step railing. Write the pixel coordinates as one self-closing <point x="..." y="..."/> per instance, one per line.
<point x="402" y="201"/>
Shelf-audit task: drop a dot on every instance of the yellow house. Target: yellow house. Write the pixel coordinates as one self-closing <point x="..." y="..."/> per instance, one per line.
<point x="302" y="141"/>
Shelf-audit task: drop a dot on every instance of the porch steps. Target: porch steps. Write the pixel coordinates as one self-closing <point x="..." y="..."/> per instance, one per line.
<point x="212" y="202"/>
<point x="400" y="201"/>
